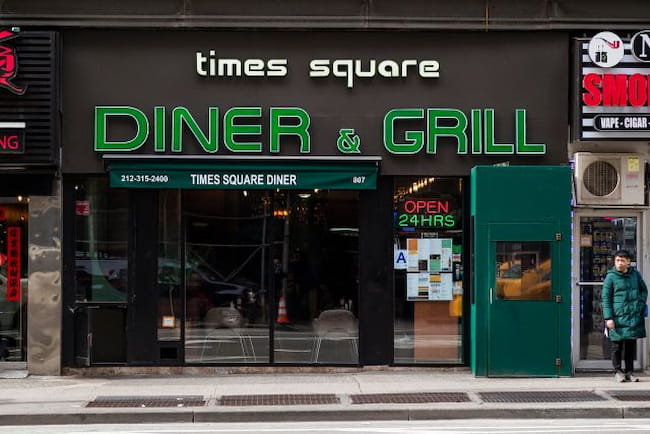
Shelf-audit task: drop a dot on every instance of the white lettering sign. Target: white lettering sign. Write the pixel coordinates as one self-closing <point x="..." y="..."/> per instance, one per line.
<point x="210" y="65"/>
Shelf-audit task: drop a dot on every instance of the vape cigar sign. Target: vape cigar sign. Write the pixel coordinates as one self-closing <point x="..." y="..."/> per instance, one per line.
<point x="615" y="87"/>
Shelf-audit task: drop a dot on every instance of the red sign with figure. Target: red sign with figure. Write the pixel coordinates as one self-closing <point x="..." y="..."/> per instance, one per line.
<point x="9" y="64"/>
<point x="13" y="263"/>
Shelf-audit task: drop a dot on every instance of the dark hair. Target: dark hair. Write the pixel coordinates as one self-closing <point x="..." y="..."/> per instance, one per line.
<point x="622" y="254"/>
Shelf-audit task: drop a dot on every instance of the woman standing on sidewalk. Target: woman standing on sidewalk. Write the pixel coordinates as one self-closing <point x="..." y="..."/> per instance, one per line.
<point x="624" y="302"/>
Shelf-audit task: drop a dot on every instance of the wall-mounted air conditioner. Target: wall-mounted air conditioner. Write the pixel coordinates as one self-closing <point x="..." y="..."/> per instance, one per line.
<point x="609" y="179"/>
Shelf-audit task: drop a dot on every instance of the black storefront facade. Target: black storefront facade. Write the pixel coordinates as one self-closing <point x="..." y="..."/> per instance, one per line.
<point x="288" y="198"/>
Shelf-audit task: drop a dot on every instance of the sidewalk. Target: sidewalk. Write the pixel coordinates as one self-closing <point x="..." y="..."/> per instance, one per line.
<point x="63" y="400"/>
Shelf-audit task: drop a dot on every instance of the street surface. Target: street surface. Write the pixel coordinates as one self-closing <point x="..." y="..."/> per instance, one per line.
<point x="483" y="426"/>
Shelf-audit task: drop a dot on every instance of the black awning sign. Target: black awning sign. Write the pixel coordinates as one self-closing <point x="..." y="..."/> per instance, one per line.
<point x="622" y="122"/>
<point x="12" y="142"/>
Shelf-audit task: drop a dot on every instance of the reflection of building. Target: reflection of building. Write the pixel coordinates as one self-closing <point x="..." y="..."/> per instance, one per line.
<point x="274" y="179"/>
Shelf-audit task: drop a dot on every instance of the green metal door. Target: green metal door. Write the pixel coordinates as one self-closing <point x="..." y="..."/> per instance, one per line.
<point x="524" y="299"/>
<point x="520" y="298"/>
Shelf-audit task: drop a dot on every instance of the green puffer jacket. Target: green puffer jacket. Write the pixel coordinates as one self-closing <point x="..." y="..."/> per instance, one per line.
<point x="624" y="300"/>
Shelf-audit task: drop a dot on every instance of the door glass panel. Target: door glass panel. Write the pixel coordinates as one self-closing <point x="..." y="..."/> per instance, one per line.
<point x="599" y="238"/>
<point x="225" y="276"/>
<point x="428" y="269"/>
<point x="101" y="222"/>
<point x="523" y="270"/>
<point x="13" y="282"/>
<point x="315" y="256"/>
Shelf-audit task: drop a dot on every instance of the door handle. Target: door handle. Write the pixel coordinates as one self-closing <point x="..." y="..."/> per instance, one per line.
<point x="491" y="294"/>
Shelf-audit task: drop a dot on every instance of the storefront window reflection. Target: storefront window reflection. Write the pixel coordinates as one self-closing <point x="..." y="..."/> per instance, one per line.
<point x="316" y="277"/>
<point x="523" y="270"/>
<point x="428" y="249"/>
<point x="101" y="220"/>
<point x="226" y="284"/>
<point x="271" y="269"/>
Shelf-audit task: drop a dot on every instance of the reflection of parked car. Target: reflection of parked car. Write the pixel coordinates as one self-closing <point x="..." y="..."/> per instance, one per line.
<point x="106" y="280"/>
<point x="208" y="282"/>
<point x="101" y="279"/>
<point x="206" y="288"/>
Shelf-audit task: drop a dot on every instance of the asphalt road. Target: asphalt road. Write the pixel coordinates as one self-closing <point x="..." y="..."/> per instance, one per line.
<point x="573" y="426"/>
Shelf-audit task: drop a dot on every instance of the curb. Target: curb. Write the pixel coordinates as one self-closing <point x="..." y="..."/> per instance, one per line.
<point x="339" y="415"/>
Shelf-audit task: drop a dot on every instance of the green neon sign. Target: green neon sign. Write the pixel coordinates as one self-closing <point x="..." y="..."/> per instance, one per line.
<point x="284" y="121"/>
<point x="242" y="131"/>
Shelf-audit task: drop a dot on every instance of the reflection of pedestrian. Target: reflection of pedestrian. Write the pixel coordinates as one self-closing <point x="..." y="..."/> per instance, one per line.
<point x="624" y="302"/>
<point x="298" y="305"/>
<point x="325" y="295"/>
<point x="197" y="301"/>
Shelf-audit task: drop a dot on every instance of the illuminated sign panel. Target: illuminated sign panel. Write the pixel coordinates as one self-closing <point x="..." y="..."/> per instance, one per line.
<point x="426" y="213"/>
<point x="12" y="142"/>
<point x="13" y="263"/>
<point x="614" y="91"/>
<point x="242" y="131"/>
<point x="9" y="64"/>
<point x="393" y="96"/>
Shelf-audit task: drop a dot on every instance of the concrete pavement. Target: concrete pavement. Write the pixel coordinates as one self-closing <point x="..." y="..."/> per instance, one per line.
<point x="63" y="400"/>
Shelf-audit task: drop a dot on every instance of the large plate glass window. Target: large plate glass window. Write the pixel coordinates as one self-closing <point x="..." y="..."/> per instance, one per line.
<point x="315" y="256"/>
<point x="225" y="276"/>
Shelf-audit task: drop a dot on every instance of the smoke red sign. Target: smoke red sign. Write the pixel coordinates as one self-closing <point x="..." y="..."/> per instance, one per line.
<point x="13" y="263"/>
<point x="9" y="64"/>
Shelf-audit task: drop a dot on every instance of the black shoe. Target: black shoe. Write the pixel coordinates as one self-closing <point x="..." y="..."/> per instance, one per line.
<point x="631" y="378"/>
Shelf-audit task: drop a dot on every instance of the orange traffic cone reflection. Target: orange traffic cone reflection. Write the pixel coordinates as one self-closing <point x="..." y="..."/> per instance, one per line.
<point x="282" y="311"/>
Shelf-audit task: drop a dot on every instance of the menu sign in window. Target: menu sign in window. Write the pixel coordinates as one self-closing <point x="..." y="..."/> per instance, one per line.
<point x="429" y="269"/>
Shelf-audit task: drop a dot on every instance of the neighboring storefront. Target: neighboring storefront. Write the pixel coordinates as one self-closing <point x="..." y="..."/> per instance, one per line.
<point x="610" y="153"/>
<point x="290" y="198"/>
<point x="29" y="203"/>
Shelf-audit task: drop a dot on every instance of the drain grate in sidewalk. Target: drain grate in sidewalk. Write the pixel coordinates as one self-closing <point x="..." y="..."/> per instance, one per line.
<point x="408" y="398"/>
<point x="630" y="395"/>
<point x="247" y="400"/>
<point x="544" y="396"/>
<point x="148" y="401"/>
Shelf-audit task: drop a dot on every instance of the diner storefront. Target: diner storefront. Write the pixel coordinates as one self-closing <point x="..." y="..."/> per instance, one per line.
<point x="290" y="198"/>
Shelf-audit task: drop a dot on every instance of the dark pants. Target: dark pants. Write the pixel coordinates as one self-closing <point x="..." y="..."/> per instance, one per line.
<point x="627" y="349"/>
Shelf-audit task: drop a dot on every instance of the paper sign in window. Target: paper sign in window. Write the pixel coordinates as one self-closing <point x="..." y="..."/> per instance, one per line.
<point x="13" y="263"/>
